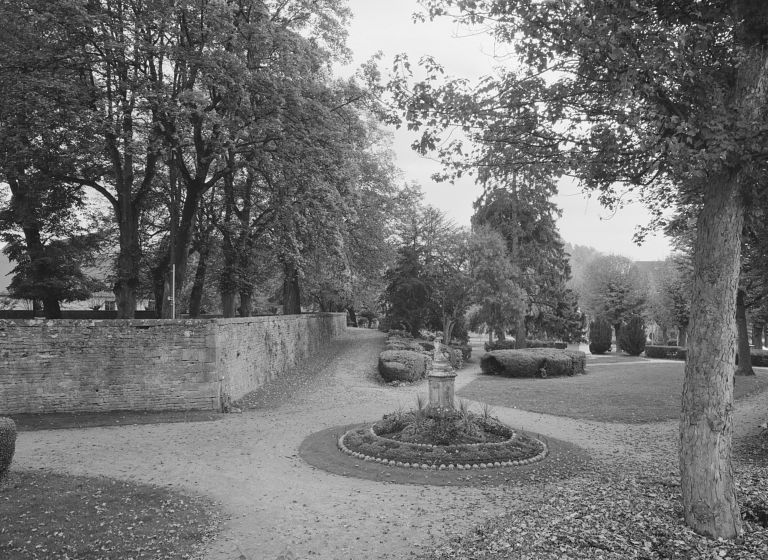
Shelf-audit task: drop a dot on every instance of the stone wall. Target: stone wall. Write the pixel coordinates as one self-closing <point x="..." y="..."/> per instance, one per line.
<point x="72" y="366"/>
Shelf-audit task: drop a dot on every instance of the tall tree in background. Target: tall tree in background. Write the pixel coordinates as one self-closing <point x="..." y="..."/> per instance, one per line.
<point x="522" y="212"/>
<point x="614" y="290"/>
<point x="498" y="297"/>
<point x="668" y="98"/>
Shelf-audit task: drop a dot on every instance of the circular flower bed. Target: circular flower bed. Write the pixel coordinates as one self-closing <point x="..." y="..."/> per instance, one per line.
<point x="460" y="440"/>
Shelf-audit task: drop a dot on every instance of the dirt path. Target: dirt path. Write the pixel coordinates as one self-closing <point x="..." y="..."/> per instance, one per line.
<point x="277" y="502"/>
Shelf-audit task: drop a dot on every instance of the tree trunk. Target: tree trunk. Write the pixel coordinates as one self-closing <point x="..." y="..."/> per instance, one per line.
<point x="196" y="296"/>
<point x="352" y="316"/>
<point x="706" y="424"/>
<point x="128" y="261"/>
<point x="52" y="308"/>
<point x="744" y="356"/>
<point x="291" y="290"/>
<point x="757" y="336"/>
<point x="229" y="303"/>
<point x="520" y="331"/>
<point x="246" y="303"/>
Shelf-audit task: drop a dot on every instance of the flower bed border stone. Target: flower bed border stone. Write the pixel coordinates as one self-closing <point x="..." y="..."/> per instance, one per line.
<point x="450" y="466"/>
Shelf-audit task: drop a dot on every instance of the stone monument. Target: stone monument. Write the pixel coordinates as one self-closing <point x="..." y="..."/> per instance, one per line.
<point x="441" y="385"/>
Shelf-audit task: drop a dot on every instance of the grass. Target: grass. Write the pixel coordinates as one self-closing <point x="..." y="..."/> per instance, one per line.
<point x="46" y="515"/>
<point x="613" y="392"/>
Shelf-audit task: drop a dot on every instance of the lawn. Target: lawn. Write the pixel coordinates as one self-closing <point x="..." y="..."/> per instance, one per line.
<point x="609" y="392"/>
<point x="46" y="515"/>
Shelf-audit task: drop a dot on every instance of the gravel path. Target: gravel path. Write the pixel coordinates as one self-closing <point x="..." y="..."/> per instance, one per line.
<point x="278" y="503"/>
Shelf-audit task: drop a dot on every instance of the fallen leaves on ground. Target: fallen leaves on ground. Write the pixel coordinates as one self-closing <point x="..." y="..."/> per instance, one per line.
<point x="613" y="515"/>
<point x="45" y="515"/>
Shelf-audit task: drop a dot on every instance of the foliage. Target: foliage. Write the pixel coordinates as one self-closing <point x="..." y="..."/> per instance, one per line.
<point x="7" y="444"/>
<point x="496" y="292"/>
<point x="518" y="207"/>
<point x="599" y="336"/>
<point x="533" y="362"/>
<point x="403" y="365"/>
<point x="614" y="289"/>
<point x="429" y="286"/>
<point x="665" y="352"/>
<point x="632" y="336"/>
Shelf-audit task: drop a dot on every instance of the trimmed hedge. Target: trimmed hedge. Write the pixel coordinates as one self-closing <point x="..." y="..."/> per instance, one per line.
<point x="665" y="352"/>
<point x="506" y="344"/>
<point x="632" y="336"/>
<point x="529" y="362"/>
<point x="545" y="344"/>
<point x="403" y="344"/>
<point x="759" y="357"/>
<point x="509" y="344"/>
<point x="403" y="365"/>
<point x="7" y="444"/>
<point x="600" y="336"/>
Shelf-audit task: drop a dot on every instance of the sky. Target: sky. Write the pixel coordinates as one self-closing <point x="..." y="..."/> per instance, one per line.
<point x="387" y="26"/>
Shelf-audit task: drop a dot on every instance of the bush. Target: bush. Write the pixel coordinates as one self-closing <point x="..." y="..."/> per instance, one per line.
<point x="545" y="344"/>
<point x="759" y="357"/>
<point x="599" y="336"/>
<point x="403" y="344"/>
<point x="632" y="337"/>
<point x="466" y="350"/>
<point x="506" y="344"/>
<point x="7" y="444"/>
<point x="665" y="352"/>
<point x="403" y="365"/>
<point x="529" y="362"/>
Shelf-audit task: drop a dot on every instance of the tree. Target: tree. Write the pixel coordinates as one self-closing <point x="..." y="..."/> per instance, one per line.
<point x="41" y="129"/>
<point x="522" y="212"/>
<point x="614" y="290"/>
<point x="663" y="97"/>
<point x="498" y="298"/>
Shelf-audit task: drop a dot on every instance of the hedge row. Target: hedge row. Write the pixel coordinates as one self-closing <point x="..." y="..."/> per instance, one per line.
<point x="533" y="362"/>
<point x="759" y="357"/>
<point x="665" y="352"/>
<point x="509" y="344"/>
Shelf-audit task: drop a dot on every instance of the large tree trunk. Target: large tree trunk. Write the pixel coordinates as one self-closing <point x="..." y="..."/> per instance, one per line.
<point x="520" y="331"/>
<point x="246" y="303"/>
<point x="196" y="295"/>
<point x="229" y="304"/>
<point x="744" y="356"/>
<point x="291" y="290"/>
<point x="128" y="261"/>
<point x="706" y="423"/>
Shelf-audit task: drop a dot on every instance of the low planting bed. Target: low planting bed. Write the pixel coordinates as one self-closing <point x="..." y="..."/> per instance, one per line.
<point x="534" y="362"/>
<point x="460" y="441"/>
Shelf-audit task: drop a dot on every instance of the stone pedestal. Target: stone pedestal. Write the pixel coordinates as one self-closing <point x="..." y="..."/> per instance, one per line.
<point x="441" y="386"/>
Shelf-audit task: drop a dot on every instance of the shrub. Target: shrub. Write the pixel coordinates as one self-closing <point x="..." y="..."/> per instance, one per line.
<point x="759" y="357"/>
<point x="632" y="337"/>
<point x="466" y="350"/>
<point x="665" y="352"/>
<point x="403" y="344"/>
<point x="7" y="444"/>
<point x="529" y="362"/>
<point x="599" y="336"/>
<point x="506" y="344"/>
<point x="545" y="344"/>
<point x="403" y="365"/>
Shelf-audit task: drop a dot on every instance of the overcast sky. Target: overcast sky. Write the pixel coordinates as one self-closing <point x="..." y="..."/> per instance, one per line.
<point x="387" y="26"/>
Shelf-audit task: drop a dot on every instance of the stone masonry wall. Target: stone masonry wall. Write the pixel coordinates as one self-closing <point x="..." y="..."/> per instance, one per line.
<point x="92" y="365"/>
